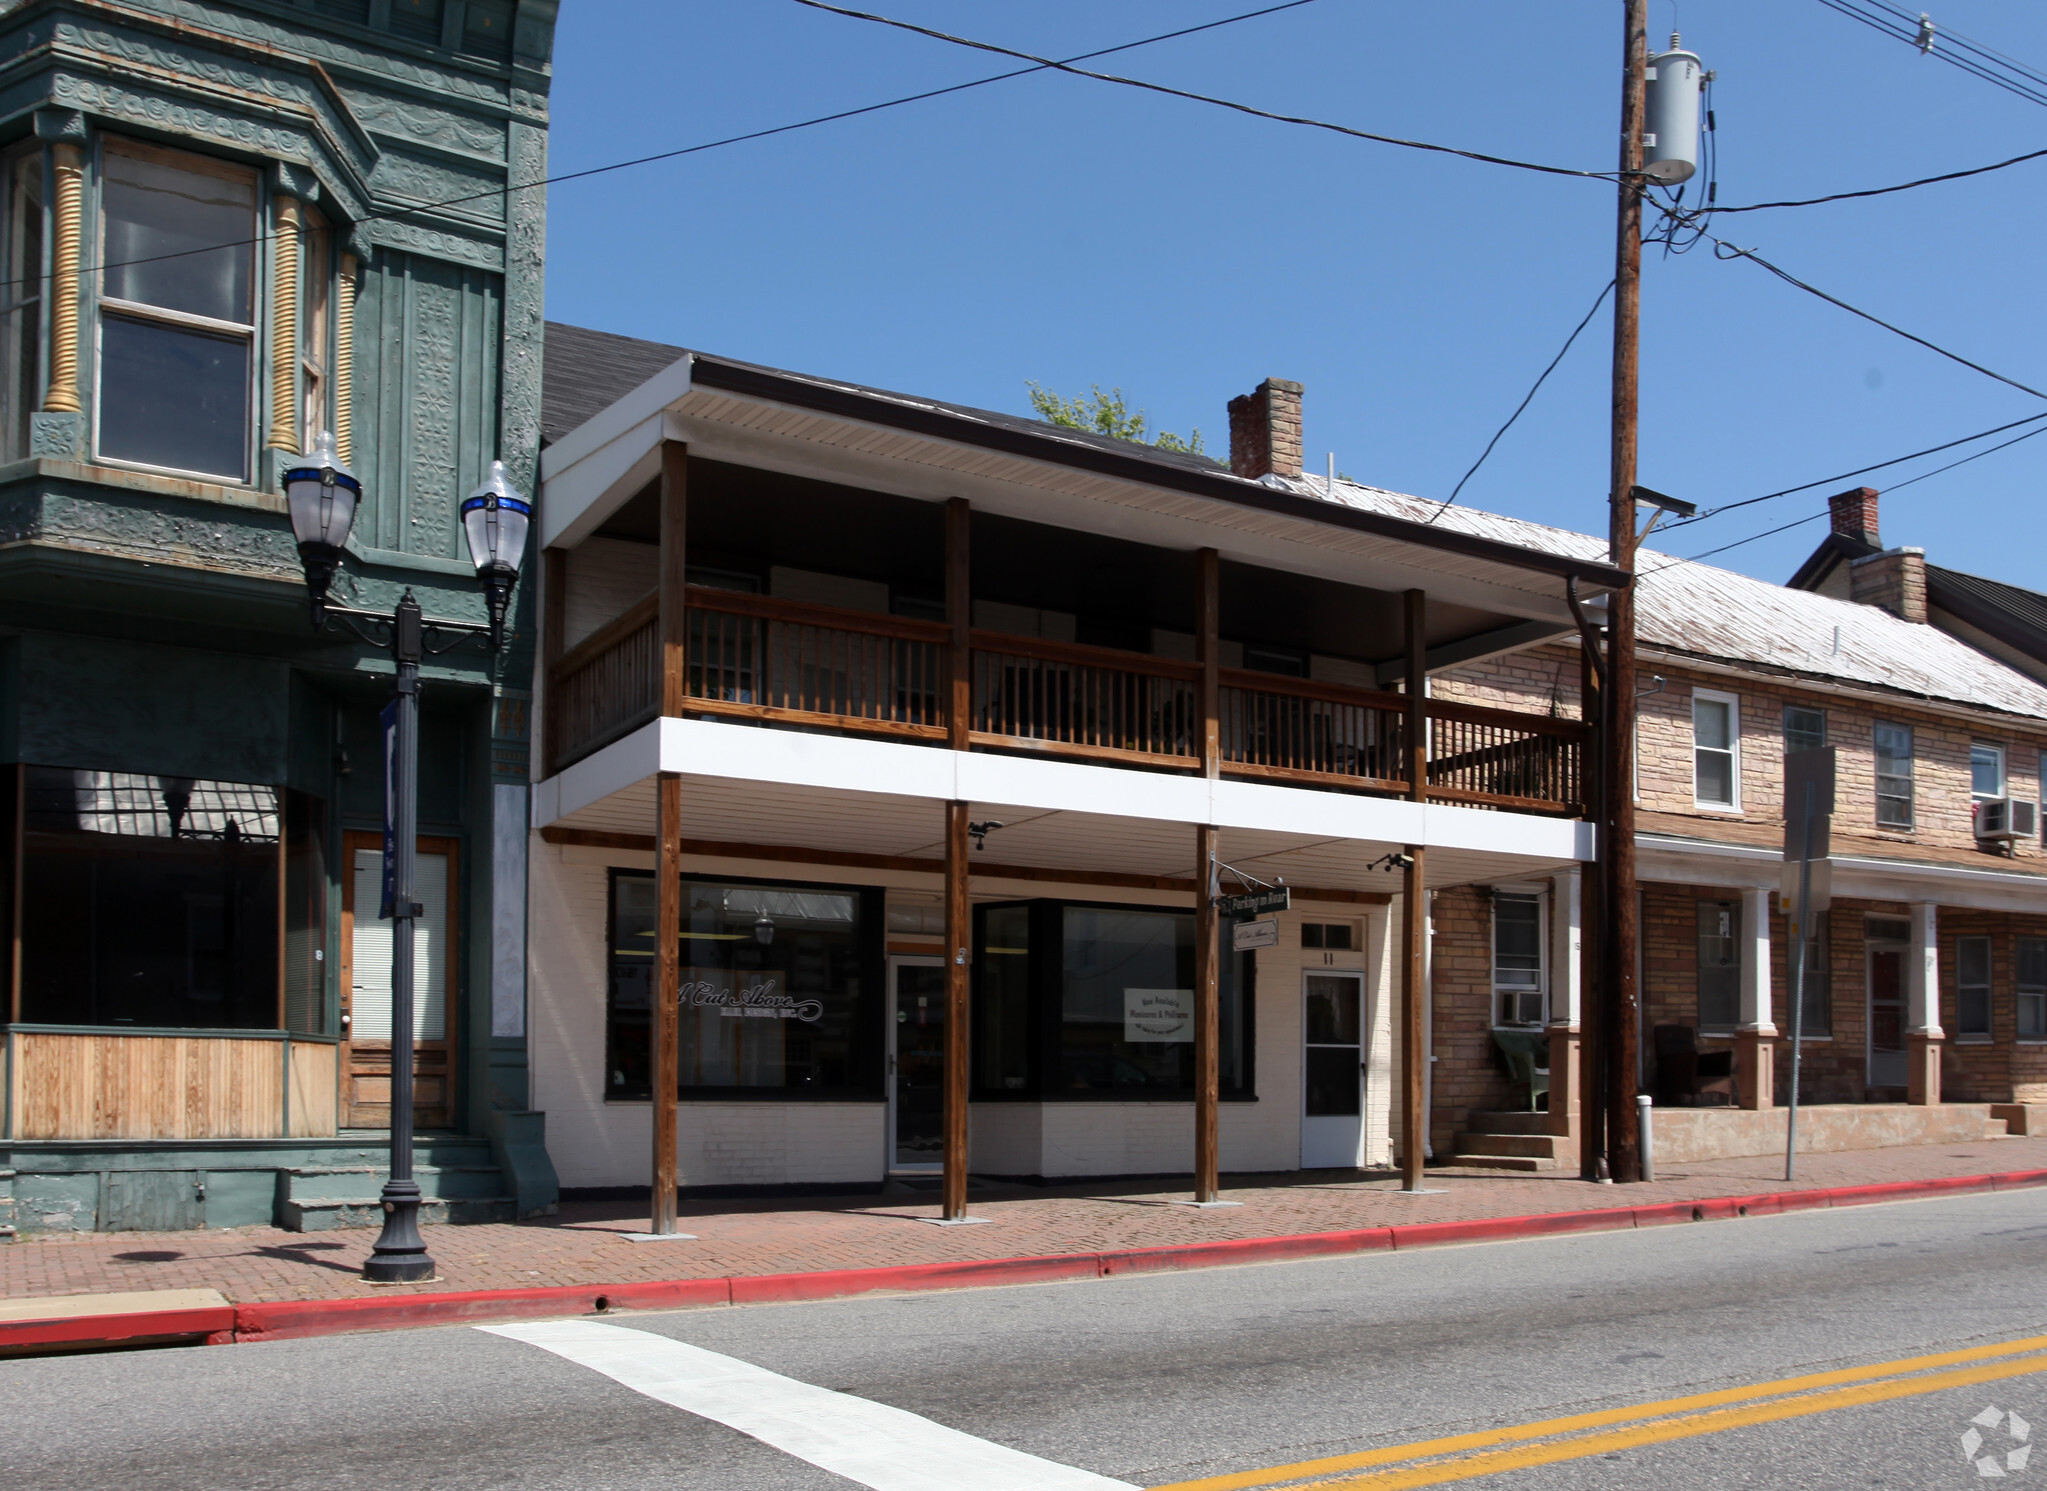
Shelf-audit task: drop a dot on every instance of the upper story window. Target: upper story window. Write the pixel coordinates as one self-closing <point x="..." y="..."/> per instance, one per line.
<point x="1716" y="749"/>
<point x="177" y="328"/>
<point x="419" y="20"/>
<point x="1518" y="995"/>
<point x="1893" y="775"/>
<point x="1986" y="771"/>
<point x="1804" y="729"/>
<point x="21" y="288"/>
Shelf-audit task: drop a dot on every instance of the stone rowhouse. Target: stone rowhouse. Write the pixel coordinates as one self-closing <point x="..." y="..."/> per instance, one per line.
<point x="225" y="230"/>
<point x="1927" y="978"/>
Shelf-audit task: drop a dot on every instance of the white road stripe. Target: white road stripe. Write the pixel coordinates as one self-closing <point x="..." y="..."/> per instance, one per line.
<point x="864" y="1441"/>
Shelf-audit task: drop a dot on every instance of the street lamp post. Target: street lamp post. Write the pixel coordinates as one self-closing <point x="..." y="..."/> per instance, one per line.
<point x="323" y="495"/>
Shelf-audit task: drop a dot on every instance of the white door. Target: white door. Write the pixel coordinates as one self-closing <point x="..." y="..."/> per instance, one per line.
<point x="916" y="1065"/>
<point x="1332" y="1070"/>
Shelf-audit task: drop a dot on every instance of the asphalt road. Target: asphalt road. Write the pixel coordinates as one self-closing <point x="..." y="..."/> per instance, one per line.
<point x="1146" y="1381"/>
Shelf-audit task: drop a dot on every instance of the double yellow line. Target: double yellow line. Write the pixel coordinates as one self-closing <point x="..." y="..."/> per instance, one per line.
<point x="1462" y="1457"/>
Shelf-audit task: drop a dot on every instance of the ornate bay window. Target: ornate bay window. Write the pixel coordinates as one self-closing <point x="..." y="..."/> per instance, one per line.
<point x="177" y="319"/>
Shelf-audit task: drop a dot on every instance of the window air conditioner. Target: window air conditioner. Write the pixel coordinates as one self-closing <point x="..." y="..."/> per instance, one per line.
<point x="2007" y="818"/>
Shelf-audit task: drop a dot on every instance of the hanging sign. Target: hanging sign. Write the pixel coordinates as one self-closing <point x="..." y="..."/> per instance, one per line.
<point x="1278" y="898"/>
<point x="1247" y="935"/>
<point x="390" y="719"/>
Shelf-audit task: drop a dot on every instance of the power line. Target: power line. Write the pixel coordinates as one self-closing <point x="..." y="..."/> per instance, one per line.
<point x="1203" y="98"/>
<point x="1965" y="460"/>
<point x="2015" y="78"/>
<point x="1752" y="538"/>
<point x="1828" y="481"/>
<point x="1525" y="401"/>
<point x="1881" y="191"/>
<point x="740" y="139"/>
<point x="1733" y="252"/>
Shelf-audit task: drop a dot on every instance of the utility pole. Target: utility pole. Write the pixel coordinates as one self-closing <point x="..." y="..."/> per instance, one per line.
<point x="1622" y="1003"/>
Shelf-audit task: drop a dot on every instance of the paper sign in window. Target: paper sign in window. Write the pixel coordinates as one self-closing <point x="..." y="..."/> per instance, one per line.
<point x="1158" y="1014"/>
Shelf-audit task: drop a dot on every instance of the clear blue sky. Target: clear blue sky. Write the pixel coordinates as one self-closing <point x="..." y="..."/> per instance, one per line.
<point x="1064" y="230"/>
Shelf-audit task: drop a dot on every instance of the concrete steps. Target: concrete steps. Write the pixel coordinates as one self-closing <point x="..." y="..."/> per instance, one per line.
<point x="457" y="1181"/>
<point x="2021" y="1118"/>
<point x="1511" y="1141"/>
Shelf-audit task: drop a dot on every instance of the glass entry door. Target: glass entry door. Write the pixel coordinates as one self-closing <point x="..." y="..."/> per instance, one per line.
<point x="916" y="1065"/>
<point x="1886" y="1015"/>
<point x="1332" y="1070"/>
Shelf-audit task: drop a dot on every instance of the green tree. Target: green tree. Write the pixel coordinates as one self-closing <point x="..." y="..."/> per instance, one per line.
<point x="1107" y="414"/>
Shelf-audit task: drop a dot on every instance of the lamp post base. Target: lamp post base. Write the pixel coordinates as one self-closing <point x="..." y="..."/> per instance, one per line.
<point x="400" y="1255"/>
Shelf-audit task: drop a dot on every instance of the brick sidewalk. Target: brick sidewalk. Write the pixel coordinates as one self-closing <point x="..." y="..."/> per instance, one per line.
<point x="583" y="1245"/>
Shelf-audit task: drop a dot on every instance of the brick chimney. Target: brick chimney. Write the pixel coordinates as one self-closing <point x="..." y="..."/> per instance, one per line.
<point x="1265" y="430"/>
<point x="1854" y="514"/>
<point x="1894" y="580"/>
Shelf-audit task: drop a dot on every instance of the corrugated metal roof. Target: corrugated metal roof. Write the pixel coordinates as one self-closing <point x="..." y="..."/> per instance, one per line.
<point x="1715" y="613"/>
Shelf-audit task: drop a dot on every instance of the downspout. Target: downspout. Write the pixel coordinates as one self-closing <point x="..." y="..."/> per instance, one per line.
<point x="1586" y="632"/>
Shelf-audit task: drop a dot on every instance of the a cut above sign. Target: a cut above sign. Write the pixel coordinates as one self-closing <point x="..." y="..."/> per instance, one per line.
<point x="761" y="999"/>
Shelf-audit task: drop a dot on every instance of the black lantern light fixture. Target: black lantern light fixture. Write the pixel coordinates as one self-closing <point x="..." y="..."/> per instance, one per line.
<point x="323" y="495"/>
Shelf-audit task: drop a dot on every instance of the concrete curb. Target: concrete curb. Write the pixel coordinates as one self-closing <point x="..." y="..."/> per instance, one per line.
<point x="297" y="1318"/>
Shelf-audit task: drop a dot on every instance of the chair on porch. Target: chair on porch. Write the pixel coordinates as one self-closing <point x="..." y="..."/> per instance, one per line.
<point x="1688" y="1077"/>
<point x="1527" y="1054"/>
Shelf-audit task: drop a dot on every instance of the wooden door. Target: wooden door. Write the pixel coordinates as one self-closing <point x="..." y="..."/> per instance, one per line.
<point x="366" y="986"/>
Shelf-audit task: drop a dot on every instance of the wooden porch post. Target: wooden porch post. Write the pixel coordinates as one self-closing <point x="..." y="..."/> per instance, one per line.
<point x="1207" y="931"/>
<point x="1593" y="991"/>
<point x="959" y="614"/>
<point x="1414" y="918"/>
<point x="958" y="941"/>
<point x="665" y="1076"/>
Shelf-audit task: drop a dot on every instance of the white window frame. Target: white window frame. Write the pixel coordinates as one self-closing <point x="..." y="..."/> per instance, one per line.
<point x="1733" y="703"/>
<point x="1911" y="777"/>
<point x="252" y="331"/>
<point x="1540" y="894"/>
<point x="2003" y="771"/>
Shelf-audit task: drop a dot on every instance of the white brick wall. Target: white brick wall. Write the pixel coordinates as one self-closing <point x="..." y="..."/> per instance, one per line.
<point x="598" y="1143"/>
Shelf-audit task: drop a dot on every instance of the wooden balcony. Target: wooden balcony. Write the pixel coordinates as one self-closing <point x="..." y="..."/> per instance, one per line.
<point x="773" y="661"/>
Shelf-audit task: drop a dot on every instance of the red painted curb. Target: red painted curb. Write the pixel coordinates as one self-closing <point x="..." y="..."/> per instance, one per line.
<point x="285" y="1320"/>
<point x="1176" y="1256"/>
<point x="841" y="1283"/>
<point x="1493" y="1229"/>
<point x="114" y="1330"/>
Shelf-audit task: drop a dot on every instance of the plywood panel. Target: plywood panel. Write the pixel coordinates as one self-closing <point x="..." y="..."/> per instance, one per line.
<point x="93" y="1086"/>
<point x="314" y="1090"/>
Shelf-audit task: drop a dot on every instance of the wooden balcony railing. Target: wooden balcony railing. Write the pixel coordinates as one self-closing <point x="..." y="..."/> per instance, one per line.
<point x="757" y="658"/>
<point x="1092" y="702"/>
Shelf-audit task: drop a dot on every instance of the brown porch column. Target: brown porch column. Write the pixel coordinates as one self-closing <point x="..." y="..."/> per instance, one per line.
<point x="1414" y="914"/>
<point x="664" y="1077"/>
<point x="661" y="1028"/>
<point x="959" y="614"/>
<point x="959" y="934"/>
<point x="1207" y="931"/>
<point x="1207" y="1021"/>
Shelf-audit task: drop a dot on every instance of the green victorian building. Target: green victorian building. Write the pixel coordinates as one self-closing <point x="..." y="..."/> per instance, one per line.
<point x="227" y="229"/>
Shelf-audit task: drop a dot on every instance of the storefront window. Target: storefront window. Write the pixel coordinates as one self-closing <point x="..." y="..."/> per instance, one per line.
<point x="305" y="915"/>
<point x="777" y="983"/>
<point x="1003" y="1014"/>
<point x="1098" y="1001"/>
<point x="150" y="901"/>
